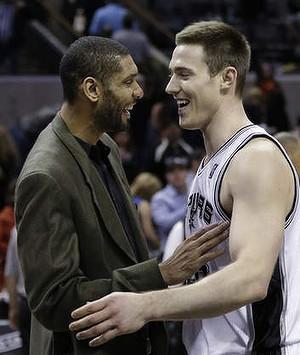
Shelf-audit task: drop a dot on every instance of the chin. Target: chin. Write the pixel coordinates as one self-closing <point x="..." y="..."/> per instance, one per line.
<point x="189" y="122"/>
<point x="185" y="124"/>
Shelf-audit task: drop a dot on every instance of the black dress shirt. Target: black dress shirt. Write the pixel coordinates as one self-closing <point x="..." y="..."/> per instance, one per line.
<point x="98" y="153"/>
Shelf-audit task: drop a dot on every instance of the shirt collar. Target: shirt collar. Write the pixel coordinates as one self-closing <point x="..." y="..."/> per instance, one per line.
<point x="95" y="151"/>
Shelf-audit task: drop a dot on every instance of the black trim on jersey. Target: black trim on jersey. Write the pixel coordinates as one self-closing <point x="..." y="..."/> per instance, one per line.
<point x="218" y="185"/>
<point x="268" y="352"/>
<point x="291" y="214"/>
<point x="266" y="318"/>
<point x="203" y="164"/>
<point x="266" y="313"/>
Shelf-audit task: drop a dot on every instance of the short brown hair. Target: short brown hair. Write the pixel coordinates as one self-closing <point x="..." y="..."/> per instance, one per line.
<point x="223" y="46"/>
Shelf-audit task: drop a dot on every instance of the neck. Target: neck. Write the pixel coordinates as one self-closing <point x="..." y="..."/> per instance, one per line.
<point x="79" y="121"/>
<point x="223" y="125"/>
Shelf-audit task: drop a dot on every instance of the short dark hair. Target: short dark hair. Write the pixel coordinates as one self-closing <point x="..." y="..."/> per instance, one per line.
<point x="89" y="56"/>
<point x="223" y="46"/>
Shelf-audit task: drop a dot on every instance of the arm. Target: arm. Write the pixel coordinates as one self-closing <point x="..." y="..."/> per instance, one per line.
<point x="50" y="255"/>
<point x="48" y="241"/>
<point x="11" y="285"/>
<point x="11" y="279"/>
<point x="260" y="184"/>
<point x="148" y="227"/>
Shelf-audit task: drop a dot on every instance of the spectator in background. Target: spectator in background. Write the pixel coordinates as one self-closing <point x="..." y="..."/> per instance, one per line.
<point x="169" y="205"/>
<point x="13" y="17"/>
<point x="171" y="144"/>
<point x="108" y="18"/>
<point x="274" y="100"/>
<point x="143" y="187"/>
<point x="29" y="128"/>
<point x="8" y="170"/>
<point x="128" y="155"/>
<point x="8" y="9"/>
<point x="68" y="9"/>
<point x="18" y="312"/>
<point x="254" y="104"/>
<point x="165" y="137"/>
<point x="8" y="163"/>
<point x="7" y="222"/>
<point x="176" y="234"/>
<point x="135" y="40"/>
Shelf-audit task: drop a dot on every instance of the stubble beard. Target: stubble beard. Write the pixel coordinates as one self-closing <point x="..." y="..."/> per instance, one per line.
<point x="108" y="116"/>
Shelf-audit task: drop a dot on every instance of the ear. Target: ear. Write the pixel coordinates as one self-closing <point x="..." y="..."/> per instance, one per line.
<point x="228" y="78"/>
<point x="91" y="88"/>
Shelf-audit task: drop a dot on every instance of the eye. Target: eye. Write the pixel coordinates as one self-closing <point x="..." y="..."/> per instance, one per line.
<point x="129" y="82"/>
<point x="184" y="75"/>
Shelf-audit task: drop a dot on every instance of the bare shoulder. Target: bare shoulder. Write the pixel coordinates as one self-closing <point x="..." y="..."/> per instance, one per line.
<point x="260" y="169"/>
<point x="260" y="157"/>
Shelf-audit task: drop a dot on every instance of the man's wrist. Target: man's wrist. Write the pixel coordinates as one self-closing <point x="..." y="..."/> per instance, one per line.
<point x="148" y="306"/>
<point x="166" y="273"/>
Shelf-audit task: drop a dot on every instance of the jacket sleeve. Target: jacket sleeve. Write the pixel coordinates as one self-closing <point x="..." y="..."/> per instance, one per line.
<point x="49" y="254"/>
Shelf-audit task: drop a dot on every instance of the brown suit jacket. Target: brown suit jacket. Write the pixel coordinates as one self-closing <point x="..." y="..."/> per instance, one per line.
<point x="72" y="245"/>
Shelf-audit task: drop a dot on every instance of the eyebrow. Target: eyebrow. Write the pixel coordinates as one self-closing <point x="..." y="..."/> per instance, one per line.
<point x="180" y="69"/>
<point x="131" y="76"/>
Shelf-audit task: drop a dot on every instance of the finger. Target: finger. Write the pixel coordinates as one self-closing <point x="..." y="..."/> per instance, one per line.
<point x="103" y="338"/>
<point x="95" y="331"/>
<point x="203" y="230"/>
<point x="210" y="256"/>
<point x="212" y="242"/>
<point x="90" y="307"/>
<point x="213" y="232"/>
<point x="89" y="320"/>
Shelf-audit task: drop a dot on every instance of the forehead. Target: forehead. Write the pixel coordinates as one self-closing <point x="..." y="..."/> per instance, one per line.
<point x="188" y="56"/>
<point x="128" y="68"/>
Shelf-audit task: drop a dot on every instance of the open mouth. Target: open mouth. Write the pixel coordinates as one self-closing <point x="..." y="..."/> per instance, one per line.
<point x="182" y="104"/>
<point x="126" y="111"/>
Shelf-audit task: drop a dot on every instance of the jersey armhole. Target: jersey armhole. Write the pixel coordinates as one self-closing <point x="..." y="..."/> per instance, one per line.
<point x="217" y="189"/>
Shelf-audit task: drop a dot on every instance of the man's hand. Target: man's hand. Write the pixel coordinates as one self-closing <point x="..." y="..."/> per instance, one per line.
<point x="123" y="313"/>
<point x="113" y="315"/>
<point x="193" y="253"/>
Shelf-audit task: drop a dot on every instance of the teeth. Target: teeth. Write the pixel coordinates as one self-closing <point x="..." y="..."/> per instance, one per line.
<point x="182" y="103"/>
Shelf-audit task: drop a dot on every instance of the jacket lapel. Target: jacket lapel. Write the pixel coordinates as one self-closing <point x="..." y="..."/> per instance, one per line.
<point x="100" y="195"/>
<point x="131" y="210"/>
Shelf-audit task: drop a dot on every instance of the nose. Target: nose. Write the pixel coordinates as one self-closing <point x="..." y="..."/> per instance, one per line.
<point x="172" y="87"/>
<point x="138" y="92"/>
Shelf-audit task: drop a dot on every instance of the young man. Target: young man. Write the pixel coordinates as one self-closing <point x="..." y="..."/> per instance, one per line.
<point x="78" y="233"/>
<point x="247" y="300"/>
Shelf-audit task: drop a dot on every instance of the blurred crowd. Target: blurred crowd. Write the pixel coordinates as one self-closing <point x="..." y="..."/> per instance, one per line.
<point x="271" y="26"/>
<point x="159" y="158"/>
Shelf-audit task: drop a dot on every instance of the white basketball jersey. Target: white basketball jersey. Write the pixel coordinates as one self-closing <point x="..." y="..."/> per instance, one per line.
<point x="268" y="327"/>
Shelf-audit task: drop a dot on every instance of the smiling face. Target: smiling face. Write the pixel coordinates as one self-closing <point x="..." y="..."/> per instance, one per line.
<point x="196" y="92"/>
<point x="118" y="98"/>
